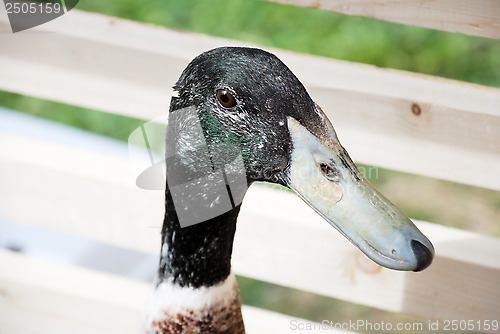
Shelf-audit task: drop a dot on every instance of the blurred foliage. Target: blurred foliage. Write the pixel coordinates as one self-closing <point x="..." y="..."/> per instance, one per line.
<point x="313" y="307"/>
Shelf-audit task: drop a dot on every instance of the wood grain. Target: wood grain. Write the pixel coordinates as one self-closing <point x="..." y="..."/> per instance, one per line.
<point x="279" y="239"/>
<point x="477" y="18"/>
<point x="127" y="68"/>
<point x="40" y="297"/>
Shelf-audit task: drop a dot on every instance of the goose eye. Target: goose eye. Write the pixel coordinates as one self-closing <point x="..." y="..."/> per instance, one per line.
<point x="226" y="99"/>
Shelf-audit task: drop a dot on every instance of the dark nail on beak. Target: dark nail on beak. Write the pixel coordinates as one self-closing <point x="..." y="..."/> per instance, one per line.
<point x="423" y="254"/>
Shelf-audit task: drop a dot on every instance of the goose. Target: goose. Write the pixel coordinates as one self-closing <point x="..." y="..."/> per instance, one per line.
<point x="240" y="116"/>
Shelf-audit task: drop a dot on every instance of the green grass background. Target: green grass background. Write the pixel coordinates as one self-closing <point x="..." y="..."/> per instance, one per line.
<point x="328" y="34"/>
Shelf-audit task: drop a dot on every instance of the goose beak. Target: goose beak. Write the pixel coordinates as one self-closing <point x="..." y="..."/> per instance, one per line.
<point x="324" y="176"/>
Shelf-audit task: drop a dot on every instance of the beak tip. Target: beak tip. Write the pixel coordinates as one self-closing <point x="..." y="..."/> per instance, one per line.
<point x="423" y="255"/>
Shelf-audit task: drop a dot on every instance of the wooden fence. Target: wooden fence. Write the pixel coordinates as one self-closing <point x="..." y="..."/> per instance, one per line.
<point x="128" y="68"/>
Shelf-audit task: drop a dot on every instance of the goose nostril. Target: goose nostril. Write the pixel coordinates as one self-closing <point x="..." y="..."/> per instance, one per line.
<point x="423" y="254"/>
<point x="329" y="172"/>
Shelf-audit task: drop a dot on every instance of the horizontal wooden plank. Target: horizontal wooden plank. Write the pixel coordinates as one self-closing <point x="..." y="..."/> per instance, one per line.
<point x="303" y="248"/>
<point x="127" y="68"/>
<point x="279" y="239"/>
<point x="40" y="297"/>
<point x="477" y="18"/>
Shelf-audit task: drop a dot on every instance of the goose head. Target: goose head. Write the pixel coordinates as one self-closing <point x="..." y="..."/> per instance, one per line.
<point x="241" y="116"/>
<point x="242" y="112"/>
